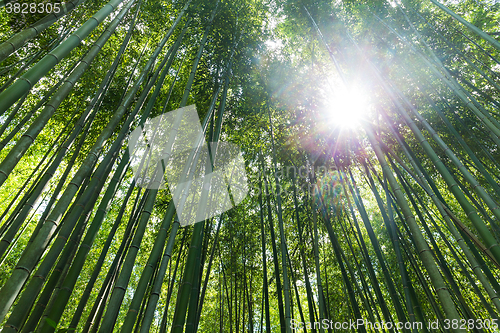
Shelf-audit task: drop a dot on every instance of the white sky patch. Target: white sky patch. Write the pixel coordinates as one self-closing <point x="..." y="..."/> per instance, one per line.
<point x="273" y="21"/>
<point x="273" y="45"/>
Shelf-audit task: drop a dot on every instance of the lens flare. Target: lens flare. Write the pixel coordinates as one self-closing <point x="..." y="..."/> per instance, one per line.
<point x="348" y="106"/>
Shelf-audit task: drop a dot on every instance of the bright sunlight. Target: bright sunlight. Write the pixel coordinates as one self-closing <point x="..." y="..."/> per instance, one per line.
<point x="348" y="106"/>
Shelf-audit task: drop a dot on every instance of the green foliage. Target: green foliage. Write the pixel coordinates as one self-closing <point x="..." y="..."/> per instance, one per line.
<point x="281" y="82"/>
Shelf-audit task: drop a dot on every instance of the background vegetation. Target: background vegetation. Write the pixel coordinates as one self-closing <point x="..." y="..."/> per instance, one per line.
<point x="395" y="220"/>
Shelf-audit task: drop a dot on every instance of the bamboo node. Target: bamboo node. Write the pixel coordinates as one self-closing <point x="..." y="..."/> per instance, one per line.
<point x="57" y="59"/>
<point x="85" y="62"/>
<point x="419" y="253"/>
<point x="80" y="38"/>
<point x="24" y="269"/>
<point x="471" y="212"/>
<point x="29" y="82"/>
<point x="13" y="47"/>
<point x="97" y="19"/>
<point x="492" y="246"/>
<point x="29" y="136"/>
<point x="13" y="327"/>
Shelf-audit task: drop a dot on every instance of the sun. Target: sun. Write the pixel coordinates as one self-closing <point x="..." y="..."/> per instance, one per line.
<point x="348" y="106"/>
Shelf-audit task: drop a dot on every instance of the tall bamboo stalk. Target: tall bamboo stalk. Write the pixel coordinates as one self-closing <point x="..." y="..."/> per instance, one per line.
<point x="424" y="251"/>
<point x="19" y="39"/>
<point x="34" y="74"/>
<point x="469" y="25"/>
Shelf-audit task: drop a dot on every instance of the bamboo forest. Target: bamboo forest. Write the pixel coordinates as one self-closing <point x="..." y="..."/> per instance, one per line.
<point x="249" y="166"/>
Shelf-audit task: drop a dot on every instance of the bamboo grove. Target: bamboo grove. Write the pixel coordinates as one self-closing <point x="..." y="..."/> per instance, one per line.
<point x="343" y="229"/>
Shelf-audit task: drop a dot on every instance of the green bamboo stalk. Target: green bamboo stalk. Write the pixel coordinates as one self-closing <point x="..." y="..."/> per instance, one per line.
<point x="41" y="183"/>
<point x="40" y="169"/>
<point x="265" y="297"/>
<point x="195" y="305"/>
<point x="462" y="142"/>
<point x="94" y="319"/>
<point x="185" y="288"/>
<point x="28" y="138"/>
<point x="94" y="104"/>
<point x="338" y="255"/>
<point x="62" y="181"/>
<point x="370" y="304"/>
<point x="51" y="45"/>
<point x="476" y="44"/>
<point x="12" y="115"/>
<point x="302" y="254"/>
<point x="115" y="265"/>
<point x="467" y="175"/>
<point x="19" y="39"/>
<point x="286" y="288"/>
<point x="138" y="295"/>
<point x="102" y="256"/>
<point x="155" y="294"/>
<point x="31" y="198"/>
<point x="147" y="272"/>
<point x="124" y="276"/>
<point x="118" y="292"/>
<point x="31" y="254"/>
<point x="294" y="283"/>
<point x="424" y="251"/>
<point x="425" y="181"/>
<point x="376" y="246"/>
<point x="123" y="279"/>
<point x="28" y="222"/>
<point x="69" y="282"/>
<point x="195" y="287"/>
<point x="449" y="44"/>
<point x="191" y="275"/>
<point x="79" y="214"/>
<point x="470" y="26"/>
<point x="322" y="312"/>
<point x="459" y="195"/>
<point x="484" y="96"/>
<point x="163" y="324"/>
<point x="410" y="306"/>
<point x="405" y="246"/>
<point x="34" y="74"/>
<point x="487" y="287"/>
<point x="368" y="299"/>
<point x="364" y="295"/>
<point x="492" y="125"/>
<point x="364" y="251"/>
<point x="277" y="274"/>
<point x="52" y="286"/>
<point x="465" y="310"/>
<point x="35" y="108"/>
